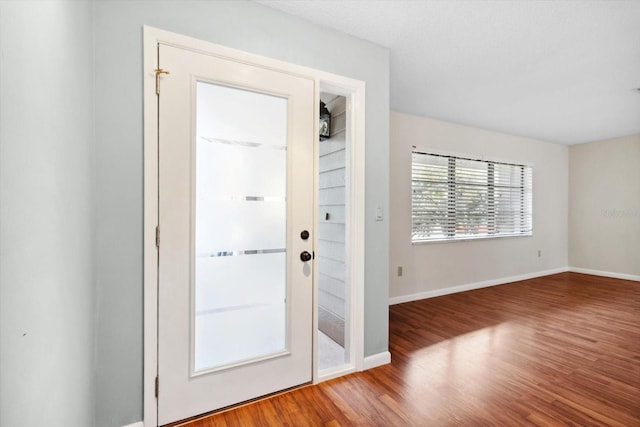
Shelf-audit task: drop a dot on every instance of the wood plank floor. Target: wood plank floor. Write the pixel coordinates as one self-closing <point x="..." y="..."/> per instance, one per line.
<point x="557" y="350"/>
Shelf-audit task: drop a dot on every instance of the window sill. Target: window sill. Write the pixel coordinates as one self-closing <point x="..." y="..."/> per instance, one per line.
<point x="470" y="239"/>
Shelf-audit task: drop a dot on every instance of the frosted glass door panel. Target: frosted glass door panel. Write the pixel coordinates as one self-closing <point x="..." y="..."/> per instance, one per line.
<point x="258" y="280"/>
<point x="239" y="335"/>
<point x="217" y="235"/>
<point x="240" y="227"/>
<point x="241" y="115"/>
<point x="255" y="170"/>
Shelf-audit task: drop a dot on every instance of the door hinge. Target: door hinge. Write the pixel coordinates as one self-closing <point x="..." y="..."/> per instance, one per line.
<point x="157" y="386"/>
<point x="158" y="72"/>
<point x="157" y="236"/>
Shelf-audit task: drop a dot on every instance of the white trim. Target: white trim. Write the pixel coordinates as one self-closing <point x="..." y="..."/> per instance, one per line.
<point x="356" y="115"/>
<point x="150" y="254"/>
<point x="354" y="90"/>
<point x="355" y="133"/>
<point x="138" y="424"/>
<point x="376" y="360"/>
<point x="331" y="373"/>
<point x="605" y="274"/>
<point x="471" y="286"/>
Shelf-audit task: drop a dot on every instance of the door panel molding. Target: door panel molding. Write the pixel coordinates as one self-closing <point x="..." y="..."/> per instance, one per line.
<point x="354" y="90"/>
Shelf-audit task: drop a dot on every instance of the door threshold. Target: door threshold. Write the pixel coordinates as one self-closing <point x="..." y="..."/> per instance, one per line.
<point x="236" y="406"/>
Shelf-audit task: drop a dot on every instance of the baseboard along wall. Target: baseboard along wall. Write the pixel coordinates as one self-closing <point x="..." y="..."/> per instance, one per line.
<point x="501" y="281"/>
<point x="471" y="286"/>
<point x="605" y="274"/>
<point x="376" y="360"/>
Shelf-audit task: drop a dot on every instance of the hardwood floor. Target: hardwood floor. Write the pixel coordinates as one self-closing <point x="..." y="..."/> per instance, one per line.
<point x="557" y="350"/>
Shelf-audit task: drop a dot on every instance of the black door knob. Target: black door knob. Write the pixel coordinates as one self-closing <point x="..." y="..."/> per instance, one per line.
<point x="304" y="235"/>
<point x="305" y="256"/>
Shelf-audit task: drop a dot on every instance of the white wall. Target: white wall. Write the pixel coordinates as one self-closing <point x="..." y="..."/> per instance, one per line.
<point x="604" y="206"/>
<point x="118" y="60"/>
<point x="46" y="289"/>
<point x="432" y="268"/>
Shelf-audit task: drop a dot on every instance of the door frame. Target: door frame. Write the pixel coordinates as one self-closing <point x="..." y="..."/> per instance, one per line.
<point x="354" y="91"/>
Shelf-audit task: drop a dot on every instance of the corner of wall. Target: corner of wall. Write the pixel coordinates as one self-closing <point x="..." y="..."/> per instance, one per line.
<point x="604" y="206"/>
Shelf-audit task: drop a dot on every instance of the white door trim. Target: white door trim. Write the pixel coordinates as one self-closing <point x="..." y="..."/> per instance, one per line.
<point x="355" y="108"/>
<point x="354" y="90"/>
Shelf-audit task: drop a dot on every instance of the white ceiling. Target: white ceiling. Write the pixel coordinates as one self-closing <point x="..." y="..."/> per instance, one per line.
<point x="560" y="71"/>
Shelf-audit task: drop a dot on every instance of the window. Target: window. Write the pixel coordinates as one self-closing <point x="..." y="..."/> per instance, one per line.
<point x="455" y="198"/>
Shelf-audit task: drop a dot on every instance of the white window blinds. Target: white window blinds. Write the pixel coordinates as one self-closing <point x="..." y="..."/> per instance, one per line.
<point x="455" y="198"/>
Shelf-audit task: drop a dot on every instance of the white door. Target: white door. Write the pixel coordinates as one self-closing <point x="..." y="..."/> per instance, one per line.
<point x="235" y="195"/>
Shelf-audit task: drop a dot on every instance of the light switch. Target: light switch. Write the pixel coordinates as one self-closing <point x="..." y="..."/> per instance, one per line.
<point x="379" y="214"/>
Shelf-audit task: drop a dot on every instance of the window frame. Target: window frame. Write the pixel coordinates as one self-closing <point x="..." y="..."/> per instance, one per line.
<point x="492" y="223"/>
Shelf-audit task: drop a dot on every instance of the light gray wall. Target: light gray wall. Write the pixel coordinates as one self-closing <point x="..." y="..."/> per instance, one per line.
<point x="438" y="266"/>
<point x="604" y="206"/>
<point x="118" y="205"/>
<point x="46" y="290"/>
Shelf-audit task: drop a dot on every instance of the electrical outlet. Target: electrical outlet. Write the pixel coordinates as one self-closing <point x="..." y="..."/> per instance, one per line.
<point x="399" y="271"/>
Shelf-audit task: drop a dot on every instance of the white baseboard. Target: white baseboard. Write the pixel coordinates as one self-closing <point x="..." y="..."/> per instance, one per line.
<point x="376" y="360"/>
<point x="138" y="424"/>
<point x="471" y="286"/>
<point x="605" y="273"/>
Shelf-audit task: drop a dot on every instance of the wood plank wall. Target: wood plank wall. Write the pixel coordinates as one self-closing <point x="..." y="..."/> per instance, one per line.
<point x="331" y="233"/>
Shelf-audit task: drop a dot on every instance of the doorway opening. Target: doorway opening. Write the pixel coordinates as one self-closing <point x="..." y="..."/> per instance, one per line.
<point x="331" y="260"/>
